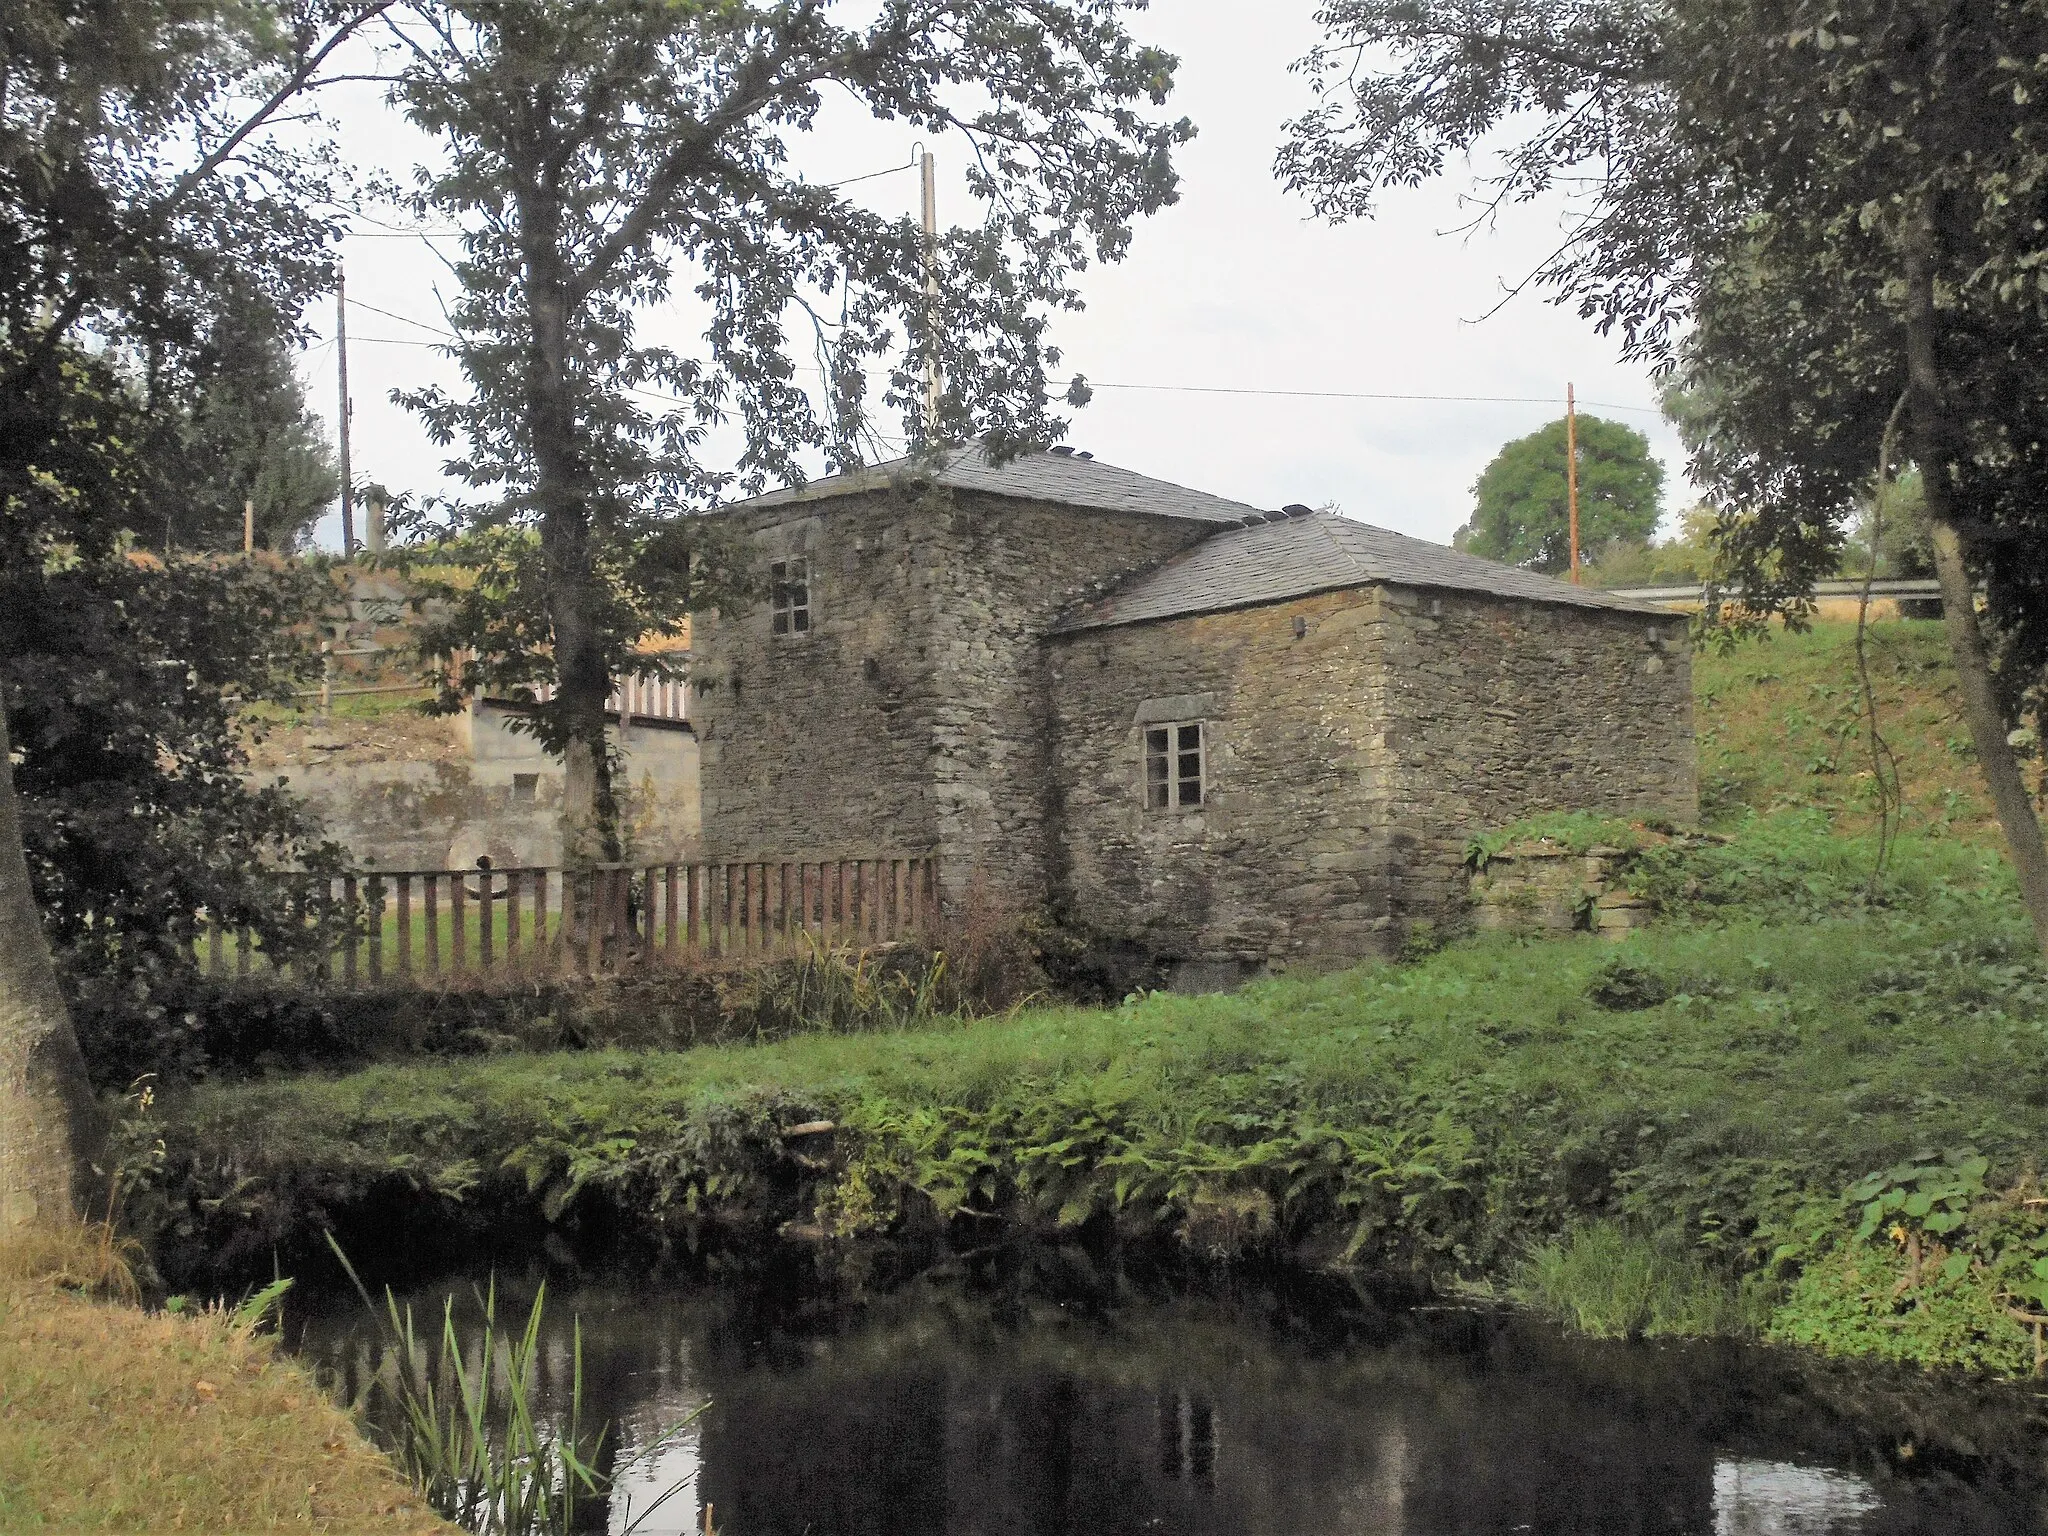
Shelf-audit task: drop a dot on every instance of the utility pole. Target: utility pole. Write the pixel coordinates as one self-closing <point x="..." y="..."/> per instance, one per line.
<point x="1571" y="471"/>
<point x="348" y="514"/>
<point x="931" y="297"/>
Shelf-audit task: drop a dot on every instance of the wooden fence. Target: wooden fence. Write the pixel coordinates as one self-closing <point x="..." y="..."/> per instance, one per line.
<point x="403" y="924"/>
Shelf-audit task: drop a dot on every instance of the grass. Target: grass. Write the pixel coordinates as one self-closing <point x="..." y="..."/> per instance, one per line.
<point x="1779" y="730"/>
<point x="465" y="1415"/>
<point x="1654" y="1136"/>
<point x="1446" y="1117"/>
<point x="1610" y="1281"/>
<point x="117" y="1419"/>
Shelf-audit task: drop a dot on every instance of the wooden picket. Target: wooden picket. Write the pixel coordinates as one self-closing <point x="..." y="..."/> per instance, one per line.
<point x="423" y="925"/>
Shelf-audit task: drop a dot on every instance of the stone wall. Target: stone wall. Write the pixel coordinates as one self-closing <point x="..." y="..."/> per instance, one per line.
<point x="912" y="717"/>
<point x="1286" y="859"/>
<point x="1544" y="888"/>
<point x="818" y="745"/>
<point x="1351" y="764"/>
<point x="1499" y="710"/>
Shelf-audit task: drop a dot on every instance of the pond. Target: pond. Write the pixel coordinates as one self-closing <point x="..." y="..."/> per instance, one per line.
<point x="940" y="1412"/>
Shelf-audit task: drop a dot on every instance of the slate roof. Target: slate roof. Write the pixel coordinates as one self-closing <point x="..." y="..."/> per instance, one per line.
<point x="1066" y="478"/>
<point x="1320" y="552"/>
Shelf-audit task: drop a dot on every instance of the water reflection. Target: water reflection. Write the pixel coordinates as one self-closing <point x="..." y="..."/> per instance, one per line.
<point x="938" y="1416"/>
<point x="1775" y="1498"/>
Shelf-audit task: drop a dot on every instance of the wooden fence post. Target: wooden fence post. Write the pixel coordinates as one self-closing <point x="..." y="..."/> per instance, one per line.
<point x="348" y="901"/>
<point x="432" y="882"/>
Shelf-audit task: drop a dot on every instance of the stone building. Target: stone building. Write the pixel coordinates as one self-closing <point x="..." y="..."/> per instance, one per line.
<point x="1236" y="737"/>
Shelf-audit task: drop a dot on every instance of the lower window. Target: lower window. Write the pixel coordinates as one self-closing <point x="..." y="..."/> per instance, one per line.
<point x="1175" y="765"/>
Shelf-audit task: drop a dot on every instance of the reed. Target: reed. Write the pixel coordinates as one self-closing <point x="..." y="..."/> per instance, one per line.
<point x="1611" y="1281"/>
<point x="466" y="1426"/>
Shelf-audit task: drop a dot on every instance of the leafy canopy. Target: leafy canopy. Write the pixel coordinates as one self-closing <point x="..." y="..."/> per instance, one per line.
<point x="1521" y="513"/>
<point x="156" y="247"/>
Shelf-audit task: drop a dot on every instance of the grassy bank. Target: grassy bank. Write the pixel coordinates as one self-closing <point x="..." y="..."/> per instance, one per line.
<point x="1804" y="1103"/>
<point x="116" y="1419"/>
<point x="1714" y="1086"/>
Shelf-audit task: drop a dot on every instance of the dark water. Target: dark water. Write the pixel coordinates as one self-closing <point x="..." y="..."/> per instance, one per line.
<point x="938" y="1414"/>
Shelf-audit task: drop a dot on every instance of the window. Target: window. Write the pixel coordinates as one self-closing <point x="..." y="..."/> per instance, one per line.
<point x="1174" y="775"/>
<point x="525" y="787"/>
<point x="789" y="585"/>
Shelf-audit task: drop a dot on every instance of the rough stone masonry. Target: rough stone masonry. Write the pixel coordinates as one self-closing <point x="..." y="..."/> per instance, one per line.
<point x="992" y="656"/>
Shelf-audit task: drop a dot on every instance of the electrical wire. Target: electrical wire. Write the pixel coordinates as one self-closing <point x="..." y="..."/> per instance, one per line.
<point x="389" y="314"/>
<point x="1339" y="394"/>
<point x="1179" y="389"/>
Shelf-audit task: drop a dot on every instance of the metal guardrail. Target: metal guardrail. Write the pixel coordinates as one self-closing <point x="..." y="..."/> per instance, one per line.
<point x="1697" y="592"/>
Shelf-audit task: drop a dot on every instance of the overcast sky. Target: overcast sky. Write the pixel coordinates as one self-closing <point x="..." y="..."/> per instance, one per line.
<point x="1234" y="289"/>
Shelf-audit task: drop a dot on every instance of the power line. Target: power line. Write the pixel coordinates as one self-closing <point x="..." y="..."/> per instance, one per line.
<point x="390" y="314"/>
<point x="1178" y="389"/>
<point x="869" y="176"/>
<point x="1338" y="394"/>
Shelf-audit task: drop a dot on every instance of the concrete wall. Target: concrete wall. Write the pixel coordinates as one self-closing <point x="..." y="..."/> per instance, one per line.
<point x="911" y="718"/>
<point x="1286" y="859"/>
<point x="493" y="792"/>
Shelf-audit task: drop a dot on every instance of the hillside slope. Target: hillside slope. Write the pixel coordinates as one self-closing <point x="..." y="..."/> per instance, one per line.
<point x="1781" y="728"/>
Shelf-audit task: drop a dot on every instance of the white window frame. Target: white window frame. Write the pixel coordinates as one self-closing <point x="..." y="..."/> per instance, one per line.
<point x="787" y="618"/>
<point x="1166" y="792"/>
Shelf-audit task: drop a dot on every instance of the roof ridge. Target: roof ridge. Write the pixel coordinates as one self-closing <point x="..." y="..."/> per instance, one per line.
<point x="1325" y="523"/>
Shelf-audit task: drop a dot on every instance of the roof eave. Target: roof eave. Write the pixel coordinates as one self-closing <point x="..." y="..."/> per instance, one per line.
<point x="1578" y="604"/>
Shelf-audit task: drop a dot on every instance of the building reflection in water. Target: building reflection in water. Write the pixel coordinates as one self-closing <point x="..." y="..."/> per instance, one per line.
<point x="1194" y="1420"/>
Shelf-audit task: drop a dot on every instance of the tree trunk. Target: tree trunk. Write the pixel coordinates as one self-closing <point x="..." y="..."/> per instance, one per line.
<point x="50" y="1126"/>
<point x="590" y="813"/>
<point x="1936" y="448"/>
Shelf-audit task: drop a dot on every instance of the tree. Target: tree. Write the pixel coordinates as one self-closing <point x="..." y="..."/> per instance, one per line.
<point x="135" y="190"/>
<point x="1521" y="511"/>
<point x="602" y="155"/>
<point x="1845" y="202"/>
<point x="248" y="437"/>
<point x="49" y="1124"/>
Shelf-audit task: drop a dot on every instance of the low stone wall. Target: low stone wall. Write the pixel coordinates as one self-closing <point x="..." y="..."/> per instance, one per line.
<point x="1546" y="888"/>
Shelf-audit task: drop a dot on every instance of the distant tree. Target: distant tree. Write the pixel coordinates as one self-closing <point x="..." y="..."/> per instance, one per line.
<point x="601" y="154"/>
<point x="1688" y="557"/>
<point x="1521" y="513"/>
<point x="248" y="436"/>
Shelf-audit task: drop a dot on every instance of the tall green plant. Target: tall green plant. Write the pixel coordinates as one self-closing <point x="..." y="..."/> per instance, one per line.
<point x="469" y="1429"/>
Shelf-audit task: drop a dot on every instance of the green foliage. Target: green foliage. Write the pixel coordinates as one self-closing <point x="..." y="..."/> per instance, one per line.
<point x="1610" y="1281"/>
<point x="1757" y="173"/>
<point x="1573" y="831"/>
<point x="463" y="1417"/>
<point x="122" y="677"/>
<point x="134" y="284"/>
<point x="1521" y="514"/>
<point x="1687" y="558"/>
<point x="1448" y="1117"/>
<point x="1767" y="710"/>
<point x="249" y="438"/>
<point x="1924" y="1261"/>
<point x="840" y="990"/>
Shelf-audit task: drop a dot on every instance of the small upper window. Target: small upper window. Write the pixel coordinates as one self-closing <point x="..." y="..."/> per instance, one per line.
<point x="789" y="586"/>
<point x="1175" y="765"/>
